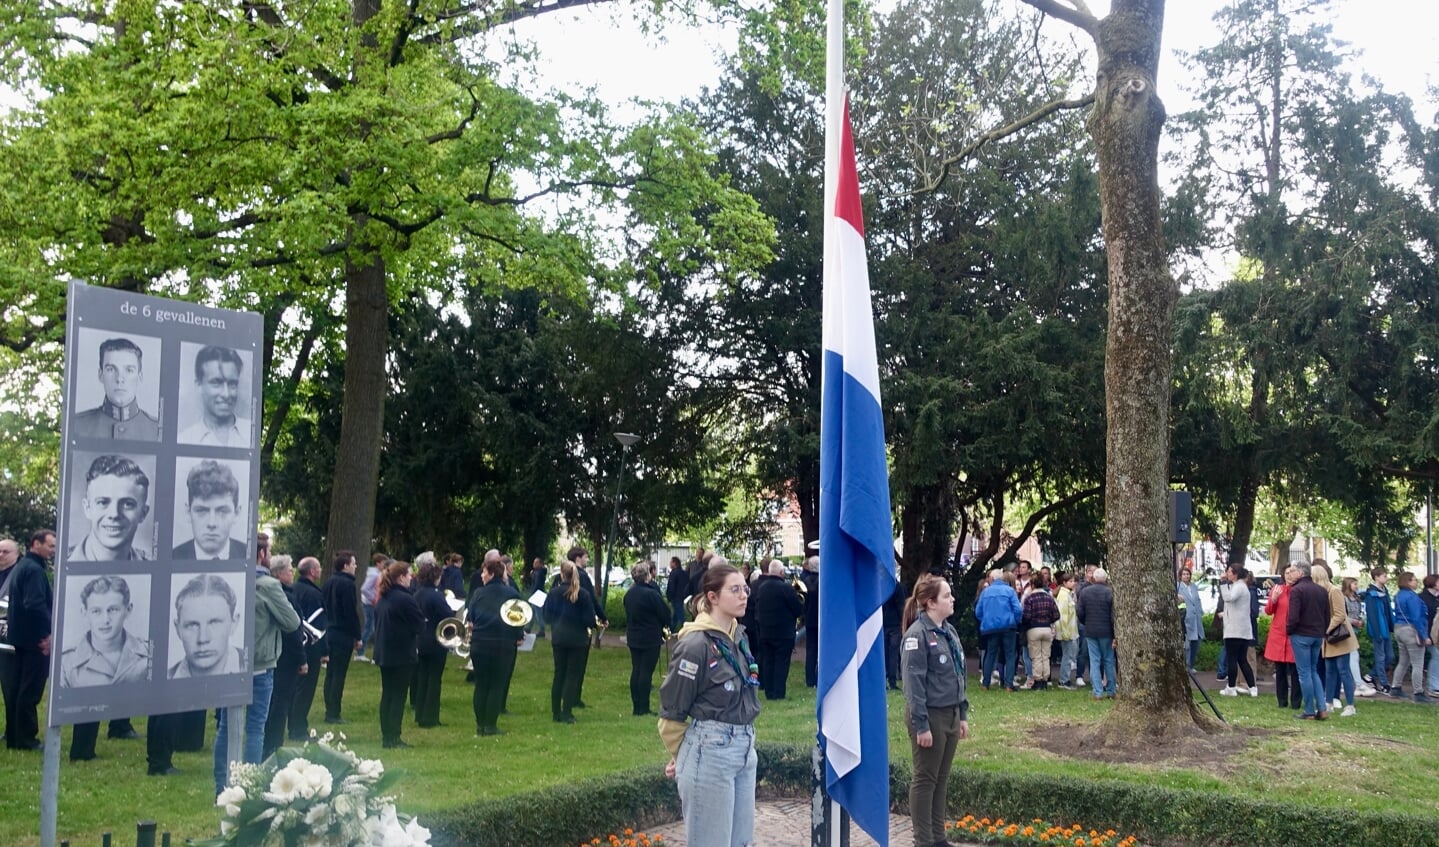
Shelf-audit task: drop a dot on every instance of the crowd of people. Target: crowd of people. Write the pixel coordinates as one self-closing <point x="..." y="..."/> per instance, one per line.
<point x="731" y="634"/>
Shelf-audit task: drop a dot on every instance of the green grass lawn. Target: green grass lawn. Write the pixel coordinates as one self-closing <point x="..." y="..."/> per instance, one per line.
<point x="1385" y="758"/>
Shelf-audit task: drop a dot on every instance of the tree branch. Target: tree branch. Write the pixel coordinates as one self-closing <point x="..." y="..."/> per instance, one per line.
<point x="510" y="14"/>
<point x="999" y="133"/>
<point x="1077" y="14"/>
<point x="1034" y="519"/>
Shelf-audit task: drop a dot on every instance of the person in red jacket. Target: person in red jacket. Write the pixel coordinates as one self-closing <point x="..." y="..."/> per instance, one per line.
<point x="1277" y="648"/>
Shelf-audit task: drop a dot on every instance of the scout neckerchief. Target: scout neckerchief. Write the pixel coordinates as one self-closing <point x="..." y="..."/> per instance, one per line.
<point x="720" y="644"/>
<point x="953" y="648"/>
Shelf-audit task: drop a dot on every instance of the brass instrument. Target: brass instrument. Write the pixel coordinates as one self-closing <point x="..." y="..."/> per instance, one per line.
<point x="5" y="646"/>
<point x="456" y="604"/>
<point x="517" y="613"/>
<point x="665" y="634"/>
<point x="453" y="636"/>
<point x="799" y="586"/>
<point x="309" y="633"/>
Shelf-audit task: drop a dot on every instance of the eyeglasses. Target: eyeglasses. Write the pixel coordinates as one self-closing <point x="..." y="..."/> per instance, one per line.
<point x="738" y="590"/>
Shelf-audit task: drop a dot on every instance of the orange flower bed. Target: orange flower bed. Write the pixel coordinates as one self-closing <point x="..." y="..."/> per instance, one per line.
<point x="628" y="838"/>
<point x="1036" y="831"/>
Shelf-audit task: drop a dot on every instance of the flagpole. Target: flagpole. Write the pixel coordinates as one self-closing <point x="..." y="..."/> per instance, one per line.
<point x="829" y="823"/>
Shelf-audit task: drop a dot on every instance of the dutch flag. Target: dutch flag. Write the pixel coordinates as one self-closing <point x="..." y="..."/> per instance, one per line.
<point x="856" y="540"/>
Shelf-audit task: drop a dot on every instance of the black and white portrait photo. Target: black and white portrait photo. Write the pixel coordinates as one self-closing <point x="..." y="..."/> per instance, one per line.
<point x="211" y="520"/>
<point x="215" y="396"/>
<point x="109" y="517"/>
<point x="207" y="636"/>
<point x="122" y="400"/>
<point x="106" y="630"/>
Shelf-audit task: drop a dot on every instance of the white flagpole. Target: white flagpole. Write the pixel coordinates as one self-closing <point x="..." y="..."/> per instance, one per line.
<point x="832" y="827"/>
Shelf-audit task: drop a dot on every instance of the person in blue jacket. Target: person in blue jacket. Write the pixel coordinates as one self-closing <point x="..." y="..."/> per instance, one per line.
<point x="1411" y="630"/>
<point x="1379" y="623"/>
<point x="998" y="612"/>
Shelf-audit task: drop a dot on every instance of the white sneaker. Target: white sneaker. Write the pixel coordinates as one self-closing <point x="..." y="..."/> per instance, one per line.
<point x="1253" y="691"/>
<point x="1229" y="692"/>
<point x="1365" y="691"/>
<point x="1348" y="712"/>
<point x="1079" y="682"/>
<point x="1338" y="704"/>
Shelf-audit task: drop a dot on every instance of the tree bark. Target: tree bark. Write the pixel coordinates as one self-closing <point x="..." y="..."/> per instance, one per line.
<point x="362" y="419"/>
<point x="1126" y="123"/>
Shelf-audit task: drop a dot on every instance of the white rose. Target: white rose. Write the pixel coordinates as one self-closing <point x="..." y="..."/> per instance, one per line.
<point x="371" y="769"/>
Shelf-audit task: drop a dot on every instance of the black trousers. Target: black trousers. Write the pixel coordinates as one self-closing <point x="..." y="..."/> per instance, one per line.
<point x="160" y="733"/>
<point x="188" y="730"/>
<point x="1237" y="649"/>
<point x="84" y="735"/>
<point x="282" y="698"/>
<point x="299" y="724"/>
<point x="811" y="656"/>
<point x="427" y="685"/>
<point x="891" y="655"/>
<point x="509" y="674"/>
<point x="22" y="682"/>
<point x="569" y="673"/>
<point x="642" y="676"/>
<point x="342" y="649"/>
<point x="773" y="661"/>
<point x="394" y="688"/>
<point x="1286" y="685"/>
<point x="494" y="664"/>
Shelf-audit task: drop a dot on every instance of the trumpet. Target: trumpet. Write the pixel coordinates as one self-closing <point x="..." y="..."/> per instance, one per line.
<point x="309" y="633"/>
<point x="453" y="636"/>
<point x="517" y="613"/>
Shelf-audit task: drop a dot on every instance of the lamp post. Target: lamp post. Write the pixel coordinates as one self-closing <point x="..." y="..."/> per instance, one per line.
<point x="626" y="440"/>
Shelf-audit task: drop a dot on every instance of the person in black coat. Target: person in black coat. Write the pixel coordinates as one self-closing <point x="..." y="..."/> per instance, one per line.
<point x="810" y="577"/>
<point x="777" y="606"/>
<point x="452" y="578"/>
<point x="581" y="557"/>
<point x="647" y="616"/>
<point x="535" y="579"/>
<point x="342" y="637"/>
<point x="290" y="668"/>
<point x="893" y="612"/>
<point x="677" y="588"/>
<point x="398" y="624"/>
<point x="23" y="671"/>
<point x="431" y="668"/>
<point x="310" y="604"/>
<point x="492" y="645"/>
<point x="570" y="612"/>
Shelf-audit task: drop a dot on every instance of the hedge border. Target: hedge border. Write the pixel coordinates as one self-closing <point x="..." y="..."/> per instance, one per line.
<point x="642" y="798"/>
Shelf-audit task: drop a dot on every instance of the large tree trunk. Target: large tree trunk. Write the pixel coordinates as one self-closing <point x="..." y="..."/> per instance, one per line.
<point x="1126" y="123"/>
<point x="362" y="419"/>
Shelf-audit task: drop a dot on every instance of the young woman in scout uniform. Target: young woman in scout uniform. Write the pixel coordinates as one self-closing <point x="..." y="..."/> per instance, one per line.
<point x="708" y="703"/>
<point x="936" y="710"/>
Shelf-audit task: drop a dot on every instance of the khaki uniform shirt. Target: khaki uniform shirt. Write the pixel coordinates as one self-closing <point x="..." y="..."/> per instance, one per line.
<point x="82" y="665"/>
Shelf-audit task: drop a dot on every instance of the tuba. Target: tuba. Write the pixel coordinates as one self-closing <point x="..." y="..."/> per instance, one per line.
<point x="517" y="613"/>
<point x="453" y="636"/>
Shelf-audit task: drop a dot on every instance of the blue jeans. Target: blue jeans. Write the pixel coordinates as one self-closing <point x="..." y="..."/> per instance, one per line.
<point x="1431" y="654"/>
<point x="1101" y="657"/>
<point x="1306" y="659"/>
<point x="715" y="773"/>
<point x="999" y="644"/>
<point x="1068" y="650"/>
<point x="1027" y="660"/>
<point x="1192" y="655"/>
<point x="369" y="628"/>
<point x="255" y="716"/>
<point x="677" y="618"/>
<point x="1221" y="670"/>
<point x="1337" y="673"/>
<point x="1383" y="660"/>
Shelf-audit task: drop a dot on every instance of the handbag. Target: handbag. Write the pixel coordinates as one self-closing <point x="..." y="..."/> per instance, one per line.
<point x="1338" y="634"/>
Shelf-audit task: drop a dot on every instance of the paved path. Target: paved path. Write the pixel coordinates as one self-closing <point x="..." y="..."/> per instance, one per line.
<point x="785" y="823"/>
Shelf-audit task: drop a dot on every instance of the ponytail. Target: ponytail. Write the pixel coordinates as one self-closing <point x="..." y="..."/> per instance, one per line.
<point x="568" y="572"/>
<point x="390" y="577"/>
<point x="925" y="590"/>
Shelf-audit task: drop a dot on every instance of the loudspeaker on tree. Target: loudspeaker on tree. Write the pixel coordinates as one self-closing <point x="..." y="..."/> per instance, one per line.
<point x="1180" y="516"/>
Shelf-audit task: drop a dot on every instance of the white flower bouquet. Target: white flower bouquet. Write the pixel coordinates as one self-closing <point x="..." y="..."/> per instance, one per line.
<point x="319" y="795"/>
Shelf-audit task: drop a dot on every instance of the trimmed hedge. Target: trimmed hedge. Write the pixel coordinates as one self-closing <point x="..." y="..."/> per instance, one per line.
<point x="643" y="797"/>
